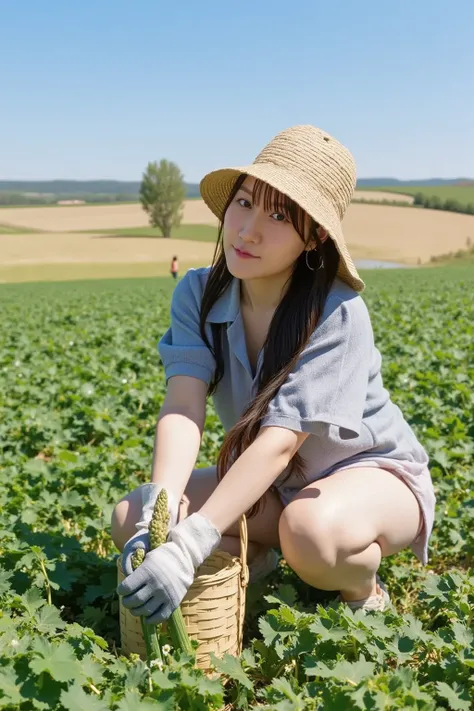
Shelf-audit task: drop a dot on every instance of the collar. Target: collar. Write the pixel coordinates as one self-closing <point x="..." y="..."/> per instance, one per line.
<point x="227" y="306"/>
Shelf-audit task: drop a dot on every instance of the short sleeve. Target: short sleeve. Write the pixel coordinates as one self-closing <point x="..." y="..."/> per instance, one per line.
<point x="328" y="385"/>
<point x="181" y="348"/>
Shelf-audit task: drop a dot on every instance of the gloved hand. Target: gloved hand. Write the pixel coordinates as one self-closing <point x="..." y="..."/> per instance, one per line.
<point x="149" y="494"/>
<point x="157" y="587"/>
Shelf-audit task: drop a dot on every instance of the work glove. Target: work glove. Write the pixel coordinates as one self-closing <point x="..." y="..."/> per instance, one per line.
<point x="156" y="588"/>
<point x="149" y="494"/>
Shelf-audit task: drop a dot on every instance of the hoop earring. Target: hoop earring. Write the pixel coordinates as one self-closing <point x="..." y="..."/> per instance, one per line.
<point x="321" y="260"/>
<point x="307" y="259"/>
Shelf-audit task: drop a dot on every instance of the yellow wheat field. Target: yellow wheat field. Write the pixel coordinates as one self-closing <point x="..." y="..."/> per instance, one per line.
<point x="372" y="231"/>
<point x="96" y="217"/>
<point x="64" y="248"/>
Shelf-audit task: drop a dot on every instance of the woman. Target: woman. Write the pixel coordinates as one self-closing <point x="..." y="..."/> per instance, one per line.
<point x="315" y="450"/>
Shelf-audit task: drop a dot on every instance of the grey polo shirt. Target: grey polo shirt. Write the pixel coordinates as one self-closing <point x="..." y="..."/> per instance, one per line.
<point x="335" y="392"/>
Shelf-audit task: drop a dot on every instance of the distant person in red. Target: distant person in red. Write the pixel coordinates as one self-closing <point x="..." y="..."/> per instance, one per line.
<point x="174" y="267"/>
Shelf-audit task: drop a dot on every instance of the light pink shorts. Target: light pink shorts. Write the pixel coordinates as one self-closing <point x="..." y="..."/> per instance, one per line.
<point x="416" y="476"/>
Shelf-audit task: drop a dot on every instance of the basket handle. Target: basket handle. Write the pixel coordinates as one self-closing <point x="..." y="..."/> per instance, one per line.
<point x="244" y="540"/>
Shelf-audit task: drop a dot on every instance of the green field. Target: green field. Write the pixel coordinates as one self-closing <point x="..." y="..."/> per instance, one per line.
<point x="198" y="233"/>
<point x="80" y="391"/>
<point x="462" y="193"/>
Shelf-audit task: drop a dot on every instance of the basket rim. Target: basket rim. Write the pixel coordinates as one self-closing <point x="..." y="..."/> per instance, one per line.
<point x="237" y="562"/>
<point x="209" y="579"/>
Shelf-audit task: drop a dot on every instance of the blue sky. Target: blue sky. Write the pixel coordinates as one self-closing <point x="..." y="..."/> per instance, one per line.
<point x="97" y="89"/>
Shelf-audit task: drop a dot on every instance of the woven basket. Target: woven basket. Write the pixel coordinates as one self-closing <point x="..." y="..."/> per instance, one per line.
<point x="213" y="608"/>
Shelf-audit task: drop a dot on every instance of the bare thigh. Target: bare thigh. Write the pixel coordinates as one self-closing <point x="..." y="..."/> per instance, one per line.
<point x="263" y="528"/>
<point x="352" y="509"/>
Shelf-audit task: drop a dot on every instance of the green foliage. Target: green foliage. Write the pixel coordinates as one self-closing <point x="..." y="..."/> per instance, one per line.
<point x="464" y="255"/>
<point x="162" y="193"/>
<point x="80" y="390"/>
<point x="15" y="193"/>
<point x="455" y="198"/>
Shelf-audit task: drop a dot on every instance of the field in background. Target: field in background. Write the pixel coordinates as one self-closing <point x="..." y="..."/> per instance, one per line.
<point x="199" y="233"/>
<point x="462" y="193"/>
<point x="386" y="194"/>
<point x="78" y="218"/>
<point x="40" y="257"/>
<point x="18" y="273"/>
<point x="96" y="217"/>
<point x="15" y="230"/>
<point x="108" y="238"/>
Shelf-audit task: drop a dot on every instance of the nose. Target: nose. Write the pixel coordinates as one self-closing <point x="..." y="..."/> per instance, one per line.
<point x="250" y="229"/>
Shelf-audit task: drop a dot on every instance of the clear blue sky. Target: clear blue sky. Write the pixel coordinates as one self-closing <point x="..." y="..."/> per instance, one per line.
<point x="96" y="89"/>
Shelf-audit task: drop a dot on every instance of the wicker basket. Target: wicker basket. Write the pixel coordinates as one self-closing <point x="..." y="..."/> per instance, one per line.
<point x="213" y="608"/>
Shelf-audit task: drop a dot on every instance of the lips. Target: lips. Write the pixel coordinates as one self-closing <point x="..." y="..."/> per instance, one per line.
<point x="244" y="255"/>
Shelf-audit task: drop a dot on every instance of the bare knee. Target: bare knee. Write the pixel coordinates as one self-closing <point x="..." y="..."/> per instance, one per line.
<point x="124" y="517"/>
<point x="129" y="509"/>
<point x="307" y="544"/>
<point x="315" y="541"/>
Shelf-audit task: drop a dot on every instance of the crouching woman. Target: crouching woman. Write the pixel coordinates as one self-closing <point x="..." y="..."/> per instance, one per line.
<point x="315" y="452"/>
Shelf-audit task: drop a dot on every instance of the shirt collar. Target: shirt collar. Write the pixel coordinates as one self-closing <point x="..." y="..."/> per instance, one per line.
<point x="227" y="306"/>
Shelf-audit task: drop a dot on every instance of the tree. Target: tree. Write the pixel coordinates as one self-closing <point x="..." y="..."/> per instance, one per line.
<point x="162" y="193"/>
<point x="434" y="202"/>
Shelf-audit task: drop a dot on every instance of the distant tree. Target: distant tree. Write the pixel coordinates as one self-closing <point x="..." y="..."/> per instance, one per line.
<point x="453" y="205"/>
<point x="162" y="194"/>
<point x="434" y="202"/>
<point x="419" y="199"/>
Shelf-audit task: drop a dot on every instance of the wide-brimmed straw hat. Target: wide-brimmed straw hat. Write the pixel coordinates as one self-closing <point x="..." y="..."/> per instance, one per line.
<point x="310" y="167"/>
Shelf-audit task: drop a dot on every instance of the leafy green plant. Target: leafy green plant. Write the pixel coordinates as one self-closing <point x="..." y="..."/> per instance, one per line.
<point x="80" y="389"/>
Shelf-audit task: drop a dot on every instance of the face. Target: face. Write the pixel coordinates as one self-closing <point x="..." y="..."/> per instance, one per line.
<point x="259" y="242"/>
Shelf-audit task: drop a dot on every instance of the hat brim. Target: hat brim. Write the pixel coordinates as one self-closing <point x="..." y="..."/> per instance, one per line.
<point x="217" y="185"/>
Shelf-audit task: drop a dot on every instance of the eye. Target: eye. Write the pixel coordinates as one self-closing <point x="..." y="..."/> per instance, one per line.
<point x="279" y="217"/>
<point x="243" y="202"/>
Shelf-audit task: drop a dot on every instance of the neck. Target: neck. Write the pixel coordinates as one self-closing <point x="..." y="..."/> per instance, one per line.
<point x="263" y="294"/>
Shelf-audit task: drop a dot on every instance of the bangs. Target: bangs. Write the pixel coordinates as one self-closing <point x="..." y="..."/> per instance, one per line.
<point x="275" y="201"/>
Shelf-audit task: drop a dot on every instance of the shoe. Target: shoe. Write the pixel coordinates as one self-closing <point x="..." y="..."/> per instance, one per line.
<point x="380" y="601"/>
<point x="263" y="564"/>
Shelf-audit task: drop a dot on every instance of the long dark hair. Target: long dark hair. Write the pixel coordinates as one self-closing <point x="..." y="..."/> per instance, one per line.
<point x="293" y="322"/>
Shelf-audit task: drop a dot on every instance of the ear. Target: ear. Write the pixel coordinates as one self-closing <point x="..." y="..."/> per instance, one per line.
<point x="322" y="234"/>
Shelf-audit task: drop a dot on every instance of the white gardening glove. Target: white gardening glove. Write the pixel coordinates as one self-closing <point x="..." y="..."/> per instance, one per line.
<point x="149" y="494"/>
<point x="156" y="588"/>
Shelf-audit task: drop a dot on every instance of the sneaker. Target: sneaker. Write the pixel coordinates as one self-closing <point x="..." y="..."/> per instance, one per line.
<point x="380" y="601"/>
<point x="263" y="564"/>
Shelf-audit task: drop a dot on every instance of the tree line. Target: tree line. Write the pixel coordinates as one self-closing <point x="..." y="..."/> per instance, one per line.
<point x="19" y="199"/>
<point x="434" y="202"/>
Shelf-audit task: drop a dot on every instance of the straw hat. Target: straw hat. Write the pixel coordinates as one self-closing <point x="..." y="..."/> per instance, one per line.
<point x="313" y="169"/>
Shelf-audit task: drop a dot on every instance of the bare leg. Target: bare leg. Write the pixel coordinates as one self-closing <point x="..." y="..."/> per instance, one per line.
<point x="262" y="529"/>
<point x="335" y="532"/>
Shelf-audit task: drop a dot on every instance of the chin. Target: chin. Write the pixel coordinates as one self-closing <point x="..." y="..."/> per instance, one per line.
<point x="240" y="269"/>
